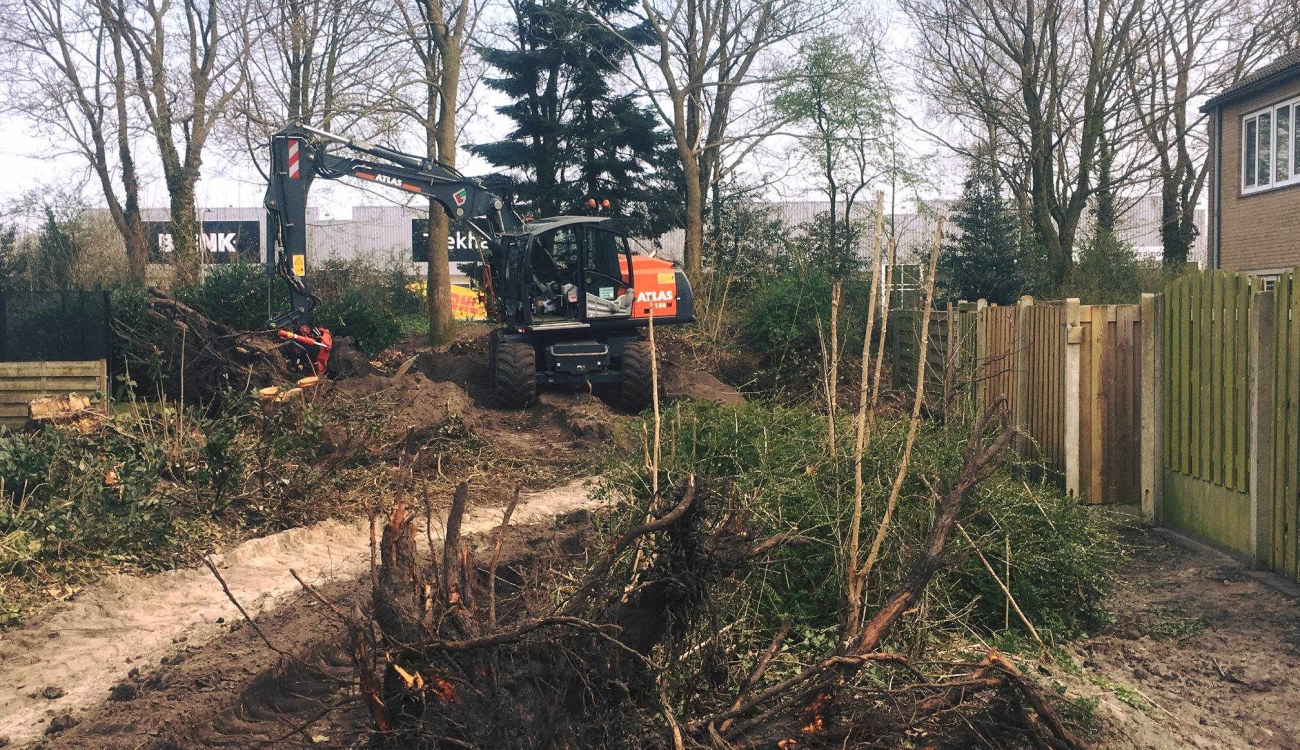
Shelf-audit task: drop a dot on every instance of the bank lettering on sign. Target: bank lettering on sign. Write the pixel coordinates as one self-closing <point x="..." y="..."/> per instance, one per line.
<point x="219" y="241"/>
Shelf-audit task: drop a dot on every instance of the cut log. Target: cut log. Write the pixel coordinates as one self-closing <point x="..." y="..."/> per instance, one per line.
<point x="62" y="406"/>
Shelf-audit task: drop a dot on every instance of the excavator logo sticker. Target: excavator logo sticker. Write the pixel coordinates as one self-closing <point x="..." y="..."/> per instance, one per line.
<point x="460" y="196"/>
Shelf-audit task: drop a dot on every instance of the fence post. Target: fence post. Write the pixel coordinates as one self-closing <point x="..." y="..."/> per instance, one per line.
<point x="1261" y="418"/>
<point x="1073" y="340"/>
<point x="981" y="355"/>
<point x="1153" y="407"/>
<point x="1020" y="409"/>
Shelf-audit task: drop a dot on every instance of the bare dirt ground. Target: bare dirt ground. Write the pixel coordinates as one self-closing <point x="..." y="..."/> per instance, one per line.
<point x="128" y="624"/>
<point x="1208" y="654"/>
<point x="166" y="661"/>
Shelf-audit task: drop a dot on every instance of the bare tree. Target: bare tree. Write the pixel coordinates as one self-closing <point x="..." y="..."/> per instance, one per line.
<point x="187" y="61"/>
<point x="1047" y="78"/>
<point x="325" y="62"/>
<point x="437" y="33"/>
<point x="705" y="53"/>
<point x="1195" y="48"/>
<point x="65" y="70"/>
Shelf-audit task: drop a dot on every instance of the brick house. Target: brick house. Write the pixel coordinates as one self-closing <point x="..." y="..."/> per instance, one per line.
<point x="1254" y="177"/>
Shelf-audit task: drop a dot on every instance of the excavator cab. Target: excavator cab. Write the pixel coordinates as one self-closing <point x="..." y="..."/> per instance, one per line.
<point x="579" y="271"/>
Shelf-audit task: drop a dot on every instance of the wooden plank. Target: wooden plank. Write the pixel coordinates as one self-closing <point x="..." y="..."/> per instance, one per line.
<point x="1101" y="344"/>
<point x="1207" y="374"/>
<point x="1087" y="397"/>
<point x="1245" y="294"/>
<point x="50" y="384"/>
<point x="91" y="368"/>
<point x="1214" y="382"/>
<point x="1194" y="376"/>
<point x="14" y="410"/>
<point x="1186" y="310"/>
<point x="1232" y="346"/>
<point x="1173" y="374"/>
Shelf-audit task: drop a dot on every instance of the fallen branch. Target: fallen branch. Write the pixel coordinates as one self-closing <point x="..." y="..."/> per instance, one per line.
<point x="620" y="545"/>
<point x="240" y="607"/>
<point x="978" y="461"/>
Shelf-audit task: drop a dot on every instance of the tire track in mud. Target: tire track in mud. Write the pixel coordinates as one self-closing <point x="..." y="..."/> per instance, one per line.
<point x="115" y="630"/>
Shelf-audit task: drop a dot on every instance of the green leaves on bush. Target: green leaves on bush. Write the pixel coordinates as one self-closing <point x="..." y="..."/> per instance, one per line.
<point x="771" y="462"/>
<point x="235" y="294"/>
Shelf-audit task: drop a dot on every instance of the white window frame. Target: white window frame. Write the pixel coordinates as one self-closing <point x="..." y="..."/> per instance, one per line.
<point x="1293" y="145"/>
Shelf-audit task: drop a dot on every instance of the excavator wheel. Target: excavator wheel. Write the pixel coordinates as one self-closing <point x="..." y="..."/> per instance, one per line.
<point x="493" y="342"/>
<point x="636" y="381"/>
<point x="515" y="374"/>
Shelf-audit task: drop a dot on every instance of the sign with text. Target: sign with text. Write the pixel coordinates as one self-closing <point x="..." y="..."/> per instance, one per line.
<point x="463" y="243"/>
<point x="220" y="241"/>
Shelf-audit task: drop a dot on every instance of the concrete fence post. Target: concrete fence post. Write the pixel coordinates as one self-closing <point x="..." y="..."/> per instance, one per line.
<point x="1073" y="340"/>
<point x="1260" y="425"/>
<point x="1152" y="309"/>
<point x="1020" y="409"/>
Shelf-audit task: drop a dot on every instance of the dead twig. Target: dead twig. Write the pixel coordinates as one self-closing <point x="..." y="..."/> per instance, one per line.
<point x="1006" y="592"/>
<point x="624" y="541"/>
<point x="240" y="607"/>
<point x="496" y="556"/>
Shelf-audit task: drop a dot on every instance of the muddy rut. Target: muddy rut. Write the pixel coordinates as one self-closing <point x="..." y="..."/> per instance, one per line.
<point x="53" y="672"/>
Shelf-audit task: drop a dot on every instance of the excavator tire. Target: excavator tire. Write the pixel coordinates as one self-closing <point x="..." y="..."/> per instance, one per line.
<point x="515" y="374"/>
<point x="636" y="381"/>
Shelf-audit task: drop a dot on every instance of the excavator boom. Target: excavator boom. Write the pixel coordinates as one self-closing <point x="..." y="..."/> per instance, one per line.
<point x="299" y="155"/>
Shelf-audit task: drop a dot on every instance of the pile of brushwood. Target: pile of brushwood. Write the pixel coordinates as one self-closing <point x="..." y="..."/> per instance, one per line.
<point x="624" y="650"/>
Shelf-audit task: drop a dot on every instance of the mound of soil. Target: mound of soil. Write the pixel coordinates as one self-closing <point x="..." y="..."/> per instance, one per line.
<point x="427" y="406"/>
<point x="697" y="385"/>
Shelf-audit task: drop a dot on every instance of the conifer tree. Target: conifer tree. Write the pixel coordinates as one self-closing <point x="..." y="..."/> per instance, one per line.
<point x="981" y="259"/>
<point x="575" y="137"/>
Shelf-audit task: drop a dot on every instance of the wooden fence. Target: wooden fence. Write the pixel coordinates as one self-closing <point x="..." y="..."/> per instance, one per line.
<point x="1069" y="373"/>
<point x="1206" y="353"/>
<point x="20" y="382"/>
<point x="1188" y="404"/>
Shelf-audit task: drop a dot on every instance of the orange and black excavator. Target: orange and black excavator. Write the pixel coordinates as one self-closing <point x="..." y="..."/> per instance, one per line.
<point x="568" y="292"/>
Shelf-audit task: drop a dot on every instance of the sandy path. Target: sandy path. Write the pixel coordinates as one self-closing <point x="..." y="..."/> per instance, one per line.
<point x="92" y="642"/>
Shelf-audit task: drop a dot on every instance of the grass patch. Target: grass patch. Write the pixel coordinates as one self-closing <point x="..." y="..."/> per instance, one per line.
<point x="1171" y="622"/>
<point x="157" y="484"/>
<point x="1125" y="693"/>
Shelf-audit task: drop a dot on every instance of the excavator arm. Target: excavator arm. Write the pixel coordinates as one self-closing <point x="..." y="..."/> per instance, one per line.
<point x="299" y="155"/>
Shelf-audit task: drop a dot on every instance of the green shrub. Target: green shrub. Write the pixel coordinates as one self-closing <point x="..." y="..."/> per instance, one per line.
<point x="371" y="327"/>
<point x="357" y="299"/>
<point x="786" y="311"/>
<point x="235" y="294"/>
<point x="771" y="463"/>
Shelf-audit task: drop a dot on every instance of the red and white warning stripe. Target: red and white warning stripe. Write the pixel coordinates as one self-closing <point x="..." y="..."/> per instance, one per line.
<point x="293" y="158"/>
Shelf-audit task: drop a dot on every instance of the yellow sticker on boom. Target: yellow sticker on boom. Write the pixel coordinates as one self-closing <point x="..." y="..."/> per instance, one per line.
<point x="299" y="265"/>
<point x="666" y="278"/>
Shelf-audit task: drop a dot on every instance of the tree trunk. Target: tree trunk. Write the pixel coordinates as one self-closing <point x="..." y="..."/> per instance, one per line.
<point x="442" y="326"/>
<point x="185" y="251"/>
<point x="1174" y="234"/>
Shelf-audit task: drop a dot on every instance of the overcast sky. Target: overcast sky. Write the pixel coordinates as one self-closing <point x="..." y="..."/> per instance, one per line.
<point x="31" y="161"/>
